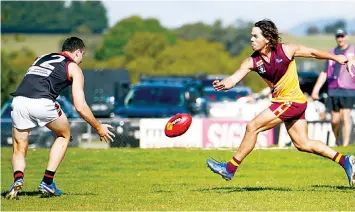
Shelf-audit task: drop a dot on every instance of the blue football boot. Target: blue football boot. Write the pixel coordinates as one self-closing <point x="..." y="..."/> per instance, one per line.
<point x="219" y="168"/>
<point x="349" y="167"/>
<point x="49" y="190"/>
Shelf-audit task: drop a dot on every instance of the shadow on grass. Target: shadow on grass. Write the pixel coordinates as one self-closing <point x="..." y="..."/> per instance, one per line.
<point x="344" y="188"/>
<point x="314" y="188"/>
<point x="162" y="191"/>
<point x="37" y="193"/>
<point x="25" y="193"/>
<point x="242" y="189"/>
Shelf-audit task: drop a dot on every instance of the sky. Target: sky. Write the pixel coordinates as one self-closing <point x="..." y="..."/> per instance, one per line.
<point x="286" y="14"/>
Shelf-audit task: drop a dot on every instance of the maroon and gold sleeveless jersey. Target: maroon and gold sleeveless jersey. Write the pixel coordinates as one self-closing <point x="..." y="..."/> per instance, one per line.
<point x="281" y="75"/>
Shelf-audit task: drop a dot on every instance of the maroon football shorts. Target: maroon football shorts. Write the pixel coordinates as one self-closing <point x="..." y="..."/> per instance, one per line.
<point x="288" y="111"/>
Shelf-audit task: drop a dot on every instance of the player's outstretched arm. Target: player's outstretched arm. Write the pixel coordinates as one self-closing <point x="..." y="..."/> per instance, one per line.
<point x="295" y="50"/>
<point x="81" y="106"/>
<point x="229" y="82"/>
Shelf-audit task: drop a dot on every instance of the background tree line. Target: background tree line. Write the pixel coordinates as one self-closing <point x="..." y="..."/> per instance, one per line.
<point x="136" y="44"/>
<point x="144" y="46"/>
<point x="327" y="29"/>
<point x="53" y="17"/>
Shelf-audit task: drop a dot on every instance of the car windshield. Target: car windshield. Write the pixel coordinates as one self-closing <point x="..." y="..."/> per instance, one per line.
<point x="220" y="96"/>
<point x="142" y="96"/>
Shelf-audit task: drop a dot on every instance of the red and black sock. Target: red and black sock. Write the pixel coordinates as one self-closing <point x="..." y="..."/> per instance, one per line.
<point x="232" y="165"/>
<point x="18" y="175"/>
<point x="48" y="177"/>
<point x="339" y="158"/>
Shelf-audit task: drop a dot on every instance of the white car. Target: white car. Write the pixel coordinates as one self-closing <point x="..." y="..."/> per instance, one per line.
<point x="224" y="104"/>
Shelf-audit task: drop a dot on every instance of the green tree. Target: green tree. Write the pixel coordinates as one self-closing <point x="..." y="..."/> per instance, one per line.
<point x="193" y="31"/>
<point x="218" y="32"/>
<point x="312" y="30"/>
<point x="115" y="40"/>
<point x="331" y="28"/>
<point x="34" y="16"/>
<point x="238" y="38"/>
<point x="52" y="16"/>
<point x="189" y="57"/>
<point x="140" y="65"/>
<point x="145" y="44"/>
<point x="95" y="18"/>
<point x="234" y="38"/>
<point x="13" y="68"/>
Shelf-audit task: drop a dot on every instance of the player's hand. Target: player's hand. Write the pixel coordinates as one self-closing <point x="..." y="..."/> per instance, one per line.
<point x="105" y="134"/>
<point x="218" y="85"/>
<point x="221" y="85"/>
<point x="342" y="59"/>
<point x="349" y="64"/>
<point x="215" y="83"/>
<point x="315" y="96"/>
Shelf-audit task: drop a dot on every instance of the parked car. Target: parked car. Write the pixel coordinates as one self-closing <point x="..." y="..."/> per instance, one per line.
<point x="158" y="99"/>
<point x="41" y="136"/>
<point x="226" y="96"/>
<point x="225" y="103"/>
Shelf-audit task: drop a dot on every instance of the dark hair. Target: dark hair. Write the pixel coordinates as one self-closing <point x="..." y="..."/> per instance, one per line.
<point x="72" y="44"/>
<point x="269" y="31"/>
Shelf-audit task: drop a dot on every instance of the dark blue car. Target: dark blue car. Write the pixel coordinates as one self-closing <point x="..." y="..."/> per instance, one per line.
<point x="157" y="99"/>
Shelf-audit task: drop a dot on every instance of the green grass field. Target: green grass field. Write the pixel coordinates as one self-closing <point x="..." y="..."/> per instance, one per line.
<point x="178" y="179"/>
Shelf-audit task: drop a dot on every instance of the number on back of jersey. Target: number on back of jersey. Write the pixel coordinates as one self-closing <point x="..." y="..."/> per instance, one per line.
<point x="44" y="65"/>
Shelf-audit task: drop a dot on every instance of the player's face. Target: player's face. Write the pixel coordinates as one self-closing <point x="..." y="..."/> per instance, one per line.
<point x="79" y="55"/>
<point x="341" y="41"/>
<point x="258" y="41"/>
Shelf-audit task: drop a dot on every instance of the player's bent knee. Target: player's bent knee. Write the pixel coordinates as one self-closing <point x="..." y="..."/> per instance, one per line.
<point x="303" y="146"/>
<point x="20" y="137"/>
<point x="252" y="127"/>
<point x="335" y="121"/>
<point x="64" y="134"/>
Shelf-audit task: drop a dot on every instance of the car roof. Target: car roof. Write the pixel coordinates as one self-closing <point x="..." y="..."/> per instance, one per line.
<point x="160" y="85"/>
<point x="213" y="76"/>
